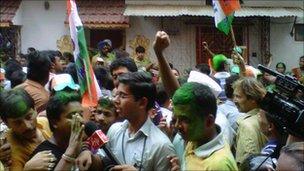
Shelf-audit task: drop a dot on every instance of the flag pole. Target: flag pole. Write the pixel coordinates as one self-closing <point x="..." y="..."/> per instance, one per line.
<point x="232" y="36"/>
<point x="88" y="81"/>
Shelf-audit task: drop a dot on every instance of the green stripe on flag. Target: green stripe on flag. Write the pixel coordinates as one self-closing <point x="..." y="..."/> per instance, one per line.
<point x="82" y="61"/>
<point x="225" y="24"/>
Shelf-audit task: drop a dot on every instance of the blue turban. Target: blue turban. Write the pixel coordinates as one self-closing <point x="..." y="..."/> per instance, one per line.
<point x="101" y="44"/>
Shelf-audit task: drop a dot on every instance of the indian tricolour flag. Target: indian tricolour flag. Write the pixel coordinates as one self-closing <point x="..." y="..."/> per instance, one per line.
<point x="89" y="87"/>
<point x="223" y="13"/>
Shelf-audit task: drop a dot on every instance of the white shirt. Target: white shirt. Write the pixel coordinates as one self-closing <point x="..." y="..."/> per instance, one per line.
<point x="130" y="149"/>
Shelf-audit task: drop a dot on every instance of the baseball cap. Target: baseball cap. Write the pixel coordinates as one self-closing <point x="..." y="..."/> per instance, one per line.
<point x="61" y="81"/>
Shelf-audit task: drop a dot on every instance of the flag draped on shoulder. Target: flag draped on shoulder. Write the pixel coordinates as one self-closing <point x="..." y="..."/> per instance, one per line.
<point x="224" y="13"/>
<point x="89" y="87"/>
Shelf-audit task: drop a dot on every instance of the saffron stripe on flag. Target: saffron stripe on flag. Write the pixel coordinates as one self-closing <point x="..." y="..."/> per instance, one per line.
<point x="89" y="87"/>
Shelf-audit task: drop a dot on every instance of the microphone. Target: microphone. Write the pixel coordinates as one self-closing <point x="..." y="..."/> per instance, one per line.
<point x="97" y="139"/>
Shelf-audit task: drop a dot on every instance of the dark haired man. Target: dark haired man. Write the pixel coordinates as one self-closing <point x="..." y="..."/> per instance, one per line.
<point x="120" y="66"/>
<point x="104" y="115"/>
<point x="137" y="142"/>
<point x="64" y="114"/>
<point x="39" y="66"/>
<point x="56" y="57"/>
<point x="26" y="130"/>
<point x="56" y="65"/>
<point x="228" y="108"/>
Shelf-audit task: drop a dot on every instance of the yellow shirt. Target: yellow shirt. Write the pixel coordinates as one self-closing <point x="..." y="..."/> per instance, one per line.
<point x="249" y="138"/>
<point x="22" y="149"/>
<point x="214" y="155"/>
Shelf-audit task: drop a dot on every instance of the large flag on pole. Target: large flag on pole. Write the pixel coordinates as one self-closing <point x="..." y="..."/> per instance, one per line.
<point x="223" y="13"/>
<point x="89" y="87"/>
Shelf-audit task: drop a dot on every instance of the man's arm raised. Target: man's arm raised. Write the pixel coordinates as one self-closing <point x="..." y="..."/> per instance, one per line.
<point x="160" y="43"/>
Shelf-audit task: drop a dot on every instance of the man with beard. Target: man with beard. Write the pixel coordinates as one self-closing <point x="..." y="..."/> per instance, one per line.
<point x="248" y="93"/>
<point x="26" y="130"/>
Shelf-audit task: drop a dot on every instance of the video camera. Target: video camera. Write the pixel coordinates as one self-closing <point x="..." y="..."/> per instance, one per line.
<point x="285" y="104"/>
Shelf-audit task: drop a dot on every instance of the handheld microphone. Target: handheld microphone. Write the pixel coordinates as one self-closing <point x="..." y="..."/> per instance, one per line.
<point x="97" y="139"/>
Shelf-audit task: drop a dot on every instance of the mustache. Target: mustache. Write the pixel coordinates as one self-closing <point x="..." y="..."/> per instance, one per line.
<point x="29" y="131"/>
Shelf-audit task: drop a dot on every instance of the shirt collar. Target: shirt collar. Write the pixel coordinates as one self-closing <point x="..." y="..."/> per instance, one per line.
<point x="215" y="144"/>
<point x="251" y="113"/>
<point x="230" y="102"/>
<point x="34" y="84"/>
<point x="145" y="129"/>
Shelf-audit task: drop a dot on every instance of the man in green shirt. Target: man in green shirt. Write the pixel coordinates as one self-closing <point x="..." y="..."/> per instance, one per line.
<point x="248" y="93"/>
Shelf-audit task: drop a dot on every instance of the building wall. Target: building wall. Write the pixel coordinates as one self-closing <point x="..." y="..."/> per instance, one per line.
<point x="181" y="52"/>
<point x="254" y="43"/>
<point x="283" y="47"/>
<point x="42" y="28"/>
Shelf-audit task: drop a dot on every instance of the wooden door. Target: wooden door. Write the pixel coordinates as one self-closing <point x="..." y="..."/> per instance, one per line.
<point x="116" y="36"/>
<point x="218" y="42"/>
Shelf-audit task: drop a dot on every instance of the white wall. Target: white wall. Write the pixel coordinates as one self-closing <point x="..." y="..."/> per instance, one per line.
<point x="282" y="46"/>
<point x="42" y="28"/>
<point x="254" y="42"/>
<point x="274" y="3"/>
<point x="17" y="20"/>
<point x="181" y="53"/>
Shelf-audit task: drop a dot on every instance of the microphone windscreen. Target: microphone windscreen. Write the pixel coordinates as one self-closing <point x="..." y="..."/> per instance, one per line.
<point x="90" y="128"/>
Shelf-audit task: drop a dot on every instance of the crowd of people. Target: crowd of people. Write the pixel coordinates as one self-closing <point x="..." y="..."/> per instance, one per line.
<point x="154" y="117"/>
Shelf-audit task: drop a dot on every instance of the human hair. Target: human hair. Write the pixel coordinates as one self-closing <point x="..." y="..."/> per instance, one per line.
<point x="140" y="49"/>
<point x="31" y="50"/>
<point x="10" y="67"/>
<point x="161" y="96"/>
<point x="23" y="56"/>
<point x="200" y="98"/>
<point x="281" y="63"/>
<point x="140" y="84"/>
<point x="280" y="130"/>
<point x="107" y="103"/>
<point x="103" y="78"/>
<point x="228" y="86"/>
<point x="301" y="58"/>
<point x="15" y="103"/>
<point x="218" y="62"/>
<point x="123" y="62"/>
<point x="39" y="66"/>
<point x="252" y="88"/>
<point x="57" y="104"/>
<point x="295" y="151"/>
<point x="52" y="55"/>
<point x="17" y="77"/>
<point x="203" y="68"/>
<point x="69" y="56"/>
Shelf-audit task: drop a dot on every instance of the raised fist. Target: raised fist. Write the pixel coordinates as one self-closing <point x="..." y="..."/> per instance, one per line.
<point x="205" y="45"/>
<point x="161" y="41"/>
